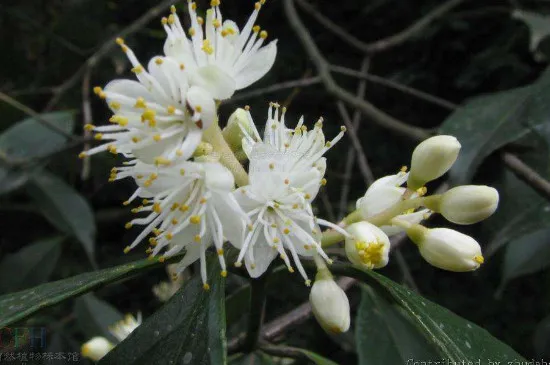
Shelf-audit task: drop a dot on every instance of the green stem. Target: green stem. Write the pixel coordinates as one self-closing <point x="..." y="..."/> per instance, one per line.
<point x="257" y="306"/>
<point x="214" y="136"/>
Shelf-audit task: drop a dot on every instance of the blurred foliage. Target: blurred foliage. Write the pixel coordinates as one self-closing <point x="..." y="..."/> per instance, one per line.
<point x="54" y="225"/>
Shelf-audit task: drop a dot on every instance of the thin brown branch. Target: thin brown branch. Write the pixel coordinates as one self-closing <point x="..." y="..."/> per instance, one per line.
<point x="323" y="68"/>
<point x="105" y="49"/>
<point x="527" y="174"/>
<point x="385" y="43"/>
<point x="395" y="85"/>
<point x="308" y="81"/>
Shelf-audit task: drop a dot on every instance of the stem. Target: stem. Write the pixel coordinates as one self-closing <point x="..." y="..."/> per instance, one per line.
<point x="214" y="136"/>
<point x="257" y="306"/>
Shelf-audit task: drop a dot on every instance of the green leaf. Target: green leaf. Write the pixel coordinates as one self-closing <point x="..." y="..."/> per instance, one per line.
<point x="541" y="338"/>
<point x="30" y="266"/>
<point x="452" y="337"/>
<point x="30" y="139"/>
<point x="526" y="255"/>
<point x="65" y="208"/>
<point x="489" y="122"/>
<point x="539" y="27"/>
<point x="316" y="358"/>
<point x="188" y="329"/>
<point x="17" y="306"/>
<point x="385" y="335"/>
<point x="94" y="316"/>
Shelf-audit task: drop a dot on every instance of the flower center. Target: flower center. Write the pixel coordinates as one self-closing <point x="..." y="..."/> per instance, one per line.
<point x="370" y="252"/>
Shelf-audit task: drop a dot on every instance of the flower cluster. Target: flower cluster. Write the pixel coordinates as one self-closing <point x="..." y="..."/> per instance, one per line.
<point x="193" y="192"/>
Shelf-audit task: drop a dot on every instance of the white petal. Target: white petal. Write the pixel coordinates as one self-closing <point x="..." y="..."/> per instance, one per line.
<point x="198" y="97"/>
<point x="258" y="65"/>
<point x="263" y="255"/>
<point x="213" y="79"/>
<point x="217" y="177"/>
<point x="149" y="153"/>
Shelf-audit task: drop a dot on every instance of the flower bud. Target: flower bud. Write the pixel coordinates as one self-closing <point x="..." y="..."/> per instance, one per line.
<point x="368" y="245"/>
<point x="96" y="348"/>
<point x="381" y="194"/>
<point x="469" y="204"/>
<point x="329" y="303"/>
<point x="232" y="133"/>
<point x="431" y="159"/>
<point x="447" y="249"/>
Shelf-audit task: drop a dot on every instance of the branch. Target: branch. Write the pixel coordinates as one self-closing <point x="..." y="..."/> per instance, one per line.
<point x="385" y="43"/>
<point x="369" y="110"/>
<point x="106" y="48"/>
<point x="526" y="174"/>
<point x="273" y="88"/>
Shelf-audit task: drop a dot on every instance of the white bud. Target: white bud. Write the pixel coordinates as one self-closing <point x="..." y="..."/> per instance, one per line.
<point x="469" y="204"/>
<point x="431" y="159"/>
<point x="233" y="133"/>
<point x="96" y="348"/>
<point x="381" y="194"/>
<point x="447" y="249"/>
<point x="330" y="304"/>
<point x="368" y="245"/>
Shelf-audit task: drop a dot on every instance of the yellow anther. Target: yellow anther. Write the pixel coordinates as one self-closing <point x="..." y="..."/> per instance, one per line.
<point x="124" y="48"/>
<point x="287" y="181"/>
<point x="308" y="282"/>
<point x="136" y="139"/>
<point x="191" y="32"/>
<point x="182" y="66"/>
<point x="171" y="109"/>
<point x="276" y="240"/>
<point x="257" y="6"/>
<point x="164" y="20"/>
<point x="195" y="219"/>
<point x="171" y="19"/>
<point x="271" y="166"/>
<point x="307" y="247"/>
<point x="153" y="176"/>
<point x="193" y="6"/>
<point x="140" y="103"/>
<point x="291" y="270"/>
<point x="273" y="225"/>
<point x="343" y="129"/>
<point x="128" y="225"/>
<point x="162" y="258"/>
<point x="479" y="259"/>
<point x="404" y="169"/>
<point x="184" y="208"/>
<point x="173" y="9"/>
<point x="205" y="286"/>
<point x="223" y="273"/>
<point x="198" y="108"/>
<point x="220" y="251"/>
<point x="97" y="90"/>
<point x="286" y="231"/>
<point x="169" y="236"/>
<point x="156" y="231"/>
<point x="89" y="127"/>
<point x="256" y="28"/>
<point x="238" y="264"/>
<point x="203" y="200"/>
<point x="323" y="182"/>
<point x="153" y="241"/>
<point x="216" y="23"/>
<point x="135" y="210"/>
<point x="247" y="108"/>
<point x="215" y="3"/>
<point x="174" y="206"/>
<point x="328" y="144"/>
<point x="112" y="149"/>
<point x="252" y="266"/>
<point x="138" y="69"/>
<point x="174" y="221"/>
<point x="120" y="41"/>
<point x="115" y="105"/>
<point x="149" y="250"/>
<point x="370" y="253"/>
<point x="159" y="61"/>
<point x="126" y="202"/>
<point x="263" y="34"/>
<point x="156" y="208"/>
<point x="179" y="153"/>
<point x="197" y="238"/>
<point x="98" y="136"/>
<point x="307" y="196"/>
<point x="157" y="137"/>
<point x="122" y="121"/>
<point x="422" y="191"/>
<point x="182" y="172"/>
<point x="127" y="249"/>
<point x="295" y="206"/>
<point x="162" y="161"/>
<point x="200" y="20"/>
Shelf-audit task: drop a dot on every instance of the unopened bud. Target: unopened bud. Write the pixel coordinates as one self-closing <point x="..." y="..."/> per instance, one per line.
<point x="368" y="245"/>
<point x="96" y="348"/>
<point x="431" y="159"/>
<point x="447" y="249"/>
<point x="233" y="133"/>
<point x="469" y="204"/>
<point x="330" y="303"/>
<point x="203" y="149"/>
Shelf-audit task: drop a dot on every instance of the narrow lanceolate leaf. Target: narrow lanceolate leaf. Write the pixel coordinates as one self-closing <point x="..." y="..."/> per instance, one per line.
<point x="453" y="338"/>
<point x="17" y="306"/>
<point x="527" y="255"/>
<point x="189" y="329"/>
<point x="487" y="123"/>
<point x="385" y="335"/>
<point x="94" y="316"/>
<point x="30" y="266"/>
<point x="27" y="140"/>
<point x="65" y="208"/>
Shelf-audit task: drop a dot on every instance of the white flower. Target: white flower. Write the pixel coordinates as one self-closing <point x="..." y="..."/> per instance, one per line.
<point x="296" y="152"/>
<point x="468" y="204"/>
<point x="431" y="159"/>
<point x="330" y="304"/>
<point x="446" y="248"/>
<point x="367" y="246"/>
<point x="186" y="204"/>
<point x="158" y="119"/>
<point x="386" y="192"/>
<point x="96" y="348"/>
<point x="219" y="58"/>
<point x="124" y="327"/>
<point x="281" y="214"/>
